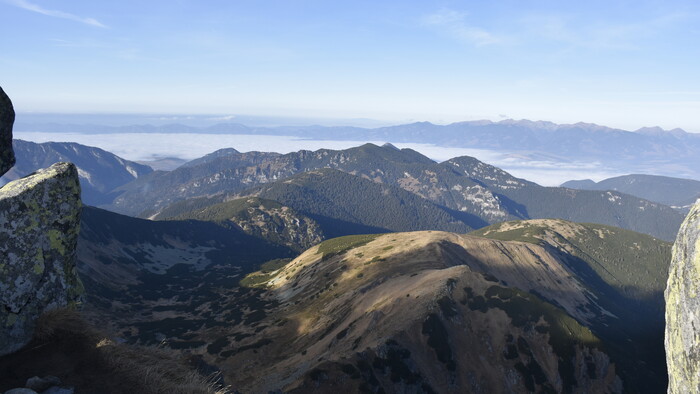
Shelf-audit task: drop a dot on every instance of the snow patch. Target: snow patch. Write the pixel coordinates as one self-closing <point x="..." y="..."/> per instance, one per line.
<point x="485" y="200"/>
<point x="132" y="171"/>
<point x="613" y="198"/>
<point x="85" y="175"/>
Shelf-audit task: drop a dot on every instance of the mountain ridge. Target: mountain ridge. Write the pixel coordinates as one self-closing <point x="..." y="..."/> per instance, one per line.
<point x="374" y="278"/>
<point x="100" y="171"/>
<point x="679" y="193"/>
<point x="463" y="184"/>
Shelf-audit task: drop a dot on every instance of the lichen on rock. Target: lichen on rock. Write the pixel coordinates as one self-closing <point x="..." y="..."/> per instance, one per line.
<point x="39" y="223"/>
<point x="683" y="308"/>
<point x="7" y="118"/>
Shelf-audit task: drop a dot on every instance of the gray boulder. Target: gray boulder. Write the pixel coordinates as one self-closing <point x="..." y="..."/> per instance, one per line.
<point x="40" y="384"/>
<point x="683" y="308"/>
<point x="7" y="118"/>
<point x="39" y="224"/>
<point x="21" y="390"/>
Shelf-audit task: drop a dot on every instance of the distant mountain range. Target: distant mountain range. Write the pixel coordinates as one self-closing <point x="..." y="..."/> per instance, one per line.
<point x="647" y="150"/>
<point x="374" y="189"/>
<point x="675" y="192"/>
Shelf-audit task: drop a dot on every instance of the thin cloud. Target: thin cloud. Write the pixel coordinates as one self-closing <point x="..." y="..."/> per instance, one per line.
<point x="601" y="34"/>
<point x="454" y="24"/>
<point x="55" y="13"/>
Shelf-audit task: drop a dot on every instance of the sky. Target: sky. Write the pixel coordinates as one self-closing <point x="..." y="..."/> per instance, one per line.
<point x="625" y="64"/>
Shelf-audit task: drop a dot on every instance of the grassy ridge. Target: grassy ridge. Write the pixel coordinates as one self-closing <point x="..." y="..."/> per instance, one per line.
<point x="341" y="245"/>
<point x="267" y="271"/>
<point x="633" y="263"/>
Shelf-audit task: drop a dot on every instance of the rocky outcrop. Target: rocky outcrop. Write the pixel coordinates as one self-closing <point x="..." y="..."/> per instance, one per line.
<point x="39" y="222"/>
<point x="683" y="308"/>
<point x="7" y="118"/>
<point x="281" y="225"/>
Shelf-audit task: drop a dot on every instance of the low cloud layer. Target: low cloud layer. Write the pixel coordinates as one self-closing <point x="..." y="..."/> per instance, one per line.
<point x="146" y="146"/>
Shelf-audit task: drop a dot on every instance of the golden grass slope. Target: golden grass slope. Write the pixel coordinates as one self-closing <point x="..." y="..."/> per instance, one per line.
<point x="347" y="299"/>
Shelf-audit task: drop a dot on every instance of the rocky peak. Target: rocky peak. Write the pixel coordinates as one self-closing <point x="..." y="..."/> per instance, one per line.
<point x="683" y="308"/>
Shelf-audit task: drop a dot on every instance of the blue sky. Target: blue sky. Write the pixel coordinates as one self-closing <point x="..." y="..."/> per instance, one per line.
<point x="625" y="64"/>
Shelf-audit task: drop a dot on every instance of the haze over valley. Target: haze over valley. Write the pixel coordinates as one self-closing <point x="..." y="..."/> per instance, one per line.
<point x="543" y="152"/>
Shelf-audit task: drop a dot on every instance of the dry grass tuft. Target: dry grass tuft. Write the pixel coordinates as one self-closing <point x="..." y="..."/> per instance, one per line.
<point x="161" y="370"/>
<point x="62" y="324"/>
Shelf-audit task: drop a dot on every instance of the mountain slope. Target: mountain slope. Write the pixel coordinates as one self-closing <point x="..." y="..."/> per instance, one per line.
<point x="499" y="196"/>
<point x="100" y="171"/>
<point x="626" y="270"/>
<point x="603" y="248"/>
<point x="132" y="268"/>
<point x="675" y="192"/>
<point x="609" y="208"/>
<point x="212" y="173"/>
<point x="396" y="311"/>
<point x="229" y="171"/>
<point x="464" y="184"/>
<point x="345" y="204"/>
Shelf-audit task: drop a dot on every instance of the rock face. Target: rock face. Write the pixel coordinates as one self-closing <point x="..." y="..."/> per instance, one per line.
<point x="7" y="118"/>
<point x="258" y="217"/>
<point x="39" y="222"/>
<point x="683" y="308"/>
<point x="280" y="224"/>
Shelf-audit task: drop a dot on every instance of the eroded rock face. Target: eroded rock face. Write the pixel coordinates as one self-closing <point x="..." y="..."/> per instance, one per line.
<point x="39" y="222"/>
<point x="683" y="308"/>
<point x="7" y="118"/>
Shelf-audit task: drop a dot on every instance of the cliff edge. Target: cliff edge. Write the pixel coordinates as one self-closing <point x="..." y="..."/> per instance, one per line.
<point x="39" y="221"/>
<point x="683" y="308"/>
